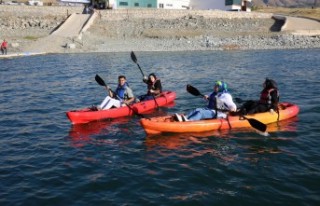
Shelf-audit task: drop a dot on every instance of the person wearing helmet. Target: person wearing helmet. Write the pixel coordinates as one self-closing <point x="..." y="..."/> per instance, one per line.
<point x="154" y="87"/>
<point x="269" y="99"/>
<point x="220" y="103"/>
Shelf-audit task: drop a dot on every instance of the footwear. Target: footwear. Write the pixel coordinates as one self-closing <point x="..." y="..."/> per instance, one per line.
<point x="93" y="108"/>
<point x="178" y="117"/>
<point x="184" y="118"/>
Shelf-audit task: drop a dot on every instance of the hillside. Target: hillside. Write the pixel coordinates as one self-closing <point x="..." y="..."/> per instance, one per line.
<point x="287" y="3"/>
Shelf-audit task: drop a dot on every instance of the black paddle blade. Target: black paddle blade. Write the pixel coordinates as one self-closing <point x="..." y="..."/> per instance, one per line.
<point x="133" y="57"/>
<point x="257" y="125"/>
<point x="100" y="80"/>
<point x="193" y="91"/>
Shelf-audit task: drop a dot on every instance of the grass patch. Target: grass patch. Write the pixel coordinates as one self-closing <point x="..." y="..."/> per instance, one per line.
<point x="31" y="37"/>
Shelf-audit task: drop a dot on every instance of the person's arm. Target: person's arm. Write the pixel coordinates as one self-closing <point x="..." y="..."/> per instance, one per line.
<point x="109" y="91"/>
<point x="229" y="104"/>
<point x="145" y="79"/>
<point x="274" y="100"/>
<point x="130" y="96"/>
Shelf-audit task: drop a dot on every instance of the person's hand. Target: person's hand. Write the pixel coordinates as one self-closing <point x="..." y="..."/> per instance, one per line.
<point x="145" y="78"/>
<point x="206" y="97"/>
<point x="271" y="111"/>
<point x="151" y="91"/>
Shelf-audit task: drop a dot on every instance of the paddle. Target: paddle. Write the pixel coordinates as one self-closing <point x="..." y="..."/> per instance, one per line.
<point x="253" y="122"/>
<point x="135" y="60"/>
<point x="102" y="83"/>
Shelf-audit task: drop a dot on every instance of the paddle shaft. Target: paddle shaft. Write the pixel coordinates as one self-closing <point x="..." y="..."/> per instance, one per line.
<point x="135" y="60"/>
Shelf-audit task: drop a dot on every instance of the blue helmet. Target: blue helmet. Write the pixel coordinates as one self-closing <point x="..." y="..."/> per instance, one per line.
<point x="223" y="87"/>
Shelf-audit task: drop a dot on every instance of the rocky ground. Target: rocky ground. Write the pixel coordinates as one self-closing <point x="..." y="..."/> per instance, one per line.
<point x="30" y="32"/>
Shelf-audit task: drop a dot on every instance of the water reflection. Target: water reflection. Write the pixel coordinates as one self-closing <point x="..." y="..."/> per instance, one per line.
<point x="219" y="141"/>
<point x="82" y="134"/>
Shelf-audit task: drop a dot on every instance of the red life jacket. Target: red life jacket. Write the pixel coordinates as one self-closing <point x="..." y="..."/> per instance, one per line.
<point x="265" y="97"/>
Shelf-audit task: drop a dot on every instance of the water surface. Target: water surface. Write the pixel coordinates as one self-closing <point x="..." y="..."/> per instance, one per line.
<point x="46" y="160"/>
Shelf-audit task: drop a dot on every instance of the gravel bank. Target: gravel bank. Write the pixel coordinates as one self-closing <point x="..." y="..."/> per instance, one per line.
<point x="177" y="31"/>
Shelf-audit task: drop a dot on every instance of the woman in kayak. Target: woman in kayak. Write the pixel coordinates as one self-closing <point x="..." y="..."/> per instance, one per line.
<point x="220" y="103"/>
<point x="121" y="97"/>
<point x="153" y="85"/>
<point x="269" y="99"/>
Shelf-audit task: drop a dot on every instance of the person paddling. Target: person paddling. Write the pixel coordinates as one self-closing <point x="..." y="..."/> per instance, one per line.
<point x="122" y="96"/>
<point x="154" y="87"/>
<point x="220" y="103"/>
<point x="269" y="99"/>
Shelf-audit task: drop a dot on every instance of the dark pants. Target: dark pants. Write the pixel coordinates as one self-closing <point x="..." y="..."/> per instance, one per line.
<point x="252" y="107"/>
<point x="4" y="50"/>
<point x="145" y="97"/>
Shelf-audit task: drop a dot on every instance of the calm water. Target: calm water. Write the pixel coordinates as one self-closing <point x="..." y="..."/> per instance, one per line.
<point x="44" y="160"/>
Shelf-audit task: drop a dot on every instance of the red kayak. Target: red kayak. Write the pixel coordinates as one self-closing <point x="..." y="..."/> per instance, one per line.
<point x="87" y="115"/>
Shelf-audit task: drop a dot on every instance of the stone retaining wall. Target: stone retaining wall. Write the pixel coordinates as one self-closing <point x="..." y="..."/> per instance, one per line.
<point x="121" y="14"/>
<point x="24" y="10"/>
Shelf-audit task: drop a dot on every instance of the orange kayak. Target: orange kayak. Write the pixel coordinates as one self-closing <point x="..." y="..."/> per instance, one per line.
<point x="163" y="124"/>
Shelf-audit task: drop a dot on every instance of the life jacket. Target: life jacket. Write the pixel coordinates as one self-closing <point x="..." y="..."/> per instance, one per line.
<point x="265" y="96"/>
<point x="121" y="91"/>
<point x="151" y="85"/>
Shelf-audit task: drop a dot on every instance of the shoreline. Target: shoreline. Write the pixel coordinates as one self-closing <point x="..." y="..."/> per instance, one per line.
<point x="134" y="30"/>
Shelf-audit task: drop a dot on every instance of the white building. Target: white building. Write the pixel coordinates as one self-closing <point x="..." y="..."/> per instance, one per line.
<point x="173" y="4"/>
<point x="226" y="5"/>
<point x="160" y="4"/>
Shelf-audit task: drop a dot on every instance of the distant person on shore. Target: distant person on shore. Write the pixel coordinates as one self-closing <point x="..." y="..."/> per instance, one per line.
<point x="122" y="96"/>
<point x="269" y="99"/>
<point x="154" y="87"/>
<point x="4" y="46"/>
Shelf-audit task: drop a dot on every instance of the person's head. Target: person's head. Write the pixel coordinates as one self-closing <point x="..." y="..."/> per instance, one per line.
<point x="152" y="77"/>
<point x="269" y="83"/>
<point x="122" y="80"/>
<point x="220" y="86"/>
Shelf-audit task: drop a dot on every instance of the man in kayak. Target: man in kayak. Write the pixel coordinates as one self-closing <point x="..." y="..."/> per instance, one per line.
<point x="121" y="97"/>
<point x="153" y="85"/>
<point x="220" y="103"/>
<point x="269" y="99"/>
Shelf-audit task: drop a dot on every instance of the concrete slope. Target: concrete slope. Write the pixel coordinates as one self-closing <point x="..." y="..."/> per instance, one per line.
<point x="69" y="32"/>
<point x="301" y="26"/>
<point x="72" y="26"/>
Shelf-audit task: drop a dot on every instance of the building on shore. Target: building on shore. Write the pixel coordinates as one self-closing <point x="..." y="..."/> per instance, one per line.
<point x="225" y="5"/>
<point x="159" y="4"/>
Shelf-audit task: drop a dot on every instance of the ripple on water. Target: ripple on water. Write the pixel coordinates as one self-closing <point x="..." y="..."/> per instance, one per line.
<point x="46" y="160"/>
